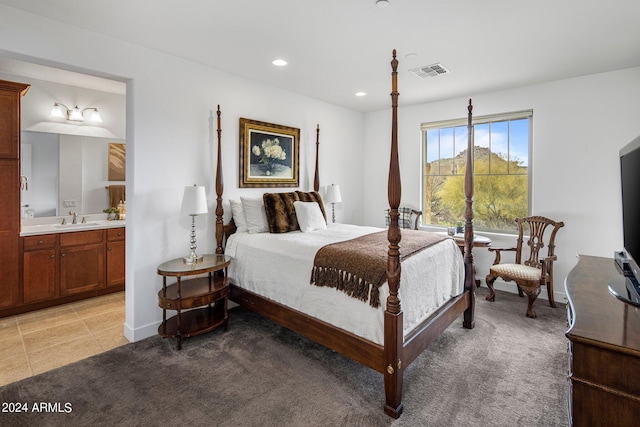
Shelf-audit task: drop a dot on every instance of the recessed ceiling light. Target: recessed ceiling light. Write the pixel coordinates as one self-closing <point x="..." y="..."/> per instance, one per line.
<point x="361" y="93"/>
<point x="411" y="56"/>
<point x="279" y="62"/>
<point x="382" y="3"/>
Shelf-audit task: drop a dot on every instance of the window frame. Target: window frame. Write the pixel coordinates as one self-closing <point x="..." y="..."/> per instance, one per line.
<point x="486" y="119"/>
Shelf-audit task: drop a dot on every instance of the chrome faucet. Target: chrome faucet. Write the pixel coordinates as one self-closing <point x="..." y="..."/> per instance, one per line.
<point x="75" y="217"/>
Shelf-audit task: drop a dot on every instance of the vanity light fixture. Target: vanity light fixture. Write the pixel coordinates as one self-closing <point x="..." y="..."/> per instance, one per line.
<point x="74" y="114"/>
<point x="194" y="203"/>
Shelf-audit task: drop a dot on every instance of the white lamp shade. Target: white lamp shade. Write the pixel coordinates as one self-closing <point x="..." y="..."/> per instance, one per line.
<point x="56" y="111"/>
<point x="75" y="114"/>
<point x="95" y="116"/>
<point x="194" y="201"/>
<point x="333" y="194"/>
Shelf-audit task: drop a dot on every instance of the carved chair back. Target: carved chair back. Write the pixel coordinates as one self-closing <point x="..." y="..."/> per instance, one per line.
<point x="409" y="218"/>
<point x="536" y="226"/>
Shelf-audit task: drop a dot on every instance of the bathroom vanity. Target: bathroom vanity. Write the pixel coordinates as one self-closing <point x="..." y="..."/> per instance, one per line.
<point x="68" y="262"/>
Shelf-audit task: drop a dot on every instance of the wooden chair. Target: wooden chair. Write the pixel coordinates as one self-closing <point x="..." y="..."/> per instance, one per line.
<point x="531" y="273"/>
<point x="406" y="219"/>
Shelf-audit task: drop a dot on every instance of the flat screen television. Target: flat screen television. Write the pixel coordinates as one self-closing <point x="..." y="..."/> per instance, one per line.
<point x="629" y="258"/>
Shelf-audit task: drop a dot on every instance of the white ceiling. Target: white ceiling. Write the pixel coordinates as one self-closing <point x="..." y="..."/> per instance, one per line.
<point x="336" y="48"/>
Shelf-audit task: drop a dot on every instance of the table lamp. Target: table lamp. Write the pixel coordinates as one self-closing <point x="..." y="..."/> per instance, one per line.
<point x="332" y="196"/>
<point x="194" y="203"/>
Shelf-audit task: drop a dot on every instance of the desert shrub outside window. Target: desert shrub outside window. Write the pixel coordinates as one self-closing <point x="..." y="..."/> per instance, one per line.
<point x="501" y="157"/>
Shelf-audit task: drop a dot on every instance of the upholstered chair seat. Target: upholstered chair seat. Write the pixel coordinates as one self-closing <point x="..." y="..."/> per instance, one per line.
<point x="517" y="271"/>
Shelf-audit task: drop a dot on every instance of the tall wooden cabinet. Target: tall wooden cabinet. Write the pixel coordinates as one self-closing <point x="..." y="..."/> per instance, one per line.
<point x="10" y="95"/>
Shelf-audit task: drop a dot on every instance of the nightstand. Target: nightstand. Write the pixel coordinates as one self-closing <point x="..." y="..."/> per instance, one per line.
<point x="200" y="302"/>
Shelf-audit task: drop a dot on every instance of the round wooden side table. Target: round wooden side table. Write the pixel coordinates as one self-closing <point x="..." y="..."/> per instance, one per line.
<point x="200" y="302"/>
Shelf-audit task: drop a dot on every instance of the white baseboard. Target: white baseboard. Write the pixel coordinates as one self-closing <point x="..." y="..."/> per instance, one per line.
<point x="141" y="333"/>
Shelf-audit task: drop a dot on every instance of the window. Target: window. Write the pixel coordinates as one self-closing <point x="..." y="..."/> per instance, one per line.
<point x="501" y="170"/>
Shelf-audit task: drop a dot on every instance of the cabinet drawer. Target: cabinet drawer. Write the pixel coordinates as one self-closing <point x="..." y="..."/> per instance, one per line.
<point x="115" y="234"/>
<point x="43" y="241"/>
<point x="81" y="238"/>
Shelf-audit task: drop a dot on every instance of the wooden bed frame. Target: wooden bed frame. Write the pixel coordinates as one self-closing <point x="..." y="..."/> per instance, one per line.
<point x="397" y="353"/>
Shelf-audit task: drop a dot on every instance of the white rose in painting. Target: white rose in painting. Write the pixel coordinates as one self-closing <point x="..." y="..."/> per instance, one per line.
<point x="269" y="151"/>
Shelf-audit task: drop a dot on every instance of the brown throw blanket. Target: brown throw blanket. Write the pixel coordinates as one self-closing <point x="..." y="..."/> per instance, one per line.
<point x="358" y="267"/>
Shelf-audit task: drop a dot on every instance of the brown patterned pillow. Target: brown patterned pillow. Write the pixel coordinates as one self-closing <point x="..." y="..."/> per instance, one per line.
<point x="312" y="196"/>
<point x="281" y="214"/>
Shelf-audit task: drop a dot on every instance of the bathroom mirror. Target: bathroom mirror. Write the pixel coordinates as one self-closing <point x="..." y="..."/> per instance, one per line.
<point x="62" y="173"/>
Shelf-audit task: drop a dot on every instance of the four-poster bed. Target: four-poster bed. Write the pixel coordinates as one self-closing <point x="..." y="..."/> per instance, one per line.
<point x="397" y="346"/>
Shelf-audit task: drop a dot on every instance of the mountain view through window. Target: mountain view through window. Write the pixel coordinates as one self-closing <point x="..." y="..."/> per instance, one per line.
<point x="501" y="171"/>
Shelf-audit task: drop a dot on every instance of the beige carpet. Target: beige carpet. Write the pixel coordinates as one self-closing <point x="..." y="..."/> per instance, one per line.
<point x="508" y="371"/>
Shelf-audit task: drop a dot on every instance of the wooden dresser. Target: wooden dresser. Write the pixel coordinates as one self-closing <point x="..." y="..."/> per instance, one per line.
<point x="604" y="348"/>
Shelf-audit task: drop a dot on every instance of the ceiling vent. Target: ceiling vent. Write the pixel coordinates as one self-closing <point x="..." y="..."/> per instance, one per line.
<point x="432" y="70"/>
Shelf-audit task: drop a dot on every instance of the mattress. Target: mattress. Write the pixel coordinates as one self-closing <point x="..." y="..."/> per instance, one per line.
<point x="278" y="267"/>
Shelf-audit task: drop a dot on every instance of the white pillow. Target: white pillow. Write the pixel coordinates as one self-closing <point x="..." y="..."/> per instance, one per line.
<point x="237" y="212"/>
<point x="255" y="215"/>
<point x="309" y="216"/>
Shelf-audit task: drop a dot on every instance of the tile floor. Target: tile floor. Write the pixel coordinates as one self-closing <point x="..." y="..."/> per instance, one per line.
<point x="42" y="340"/>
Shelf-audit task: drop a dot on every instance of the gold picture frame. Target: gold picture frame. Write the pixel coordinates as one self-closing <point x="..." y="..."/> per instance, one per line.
<point x="117" y="167"/>
<point x="269" y="154"/>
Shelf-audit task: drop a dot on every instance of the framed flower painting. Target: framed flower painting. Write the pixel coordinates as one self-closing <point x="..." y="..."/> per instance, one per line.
<point x="269" y="154"/>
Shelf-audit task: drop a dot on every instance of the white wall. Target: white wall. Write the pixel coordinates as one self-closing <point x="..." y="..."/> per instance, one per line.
<point x="170" y="142"/>
<point x="578" y="127"/>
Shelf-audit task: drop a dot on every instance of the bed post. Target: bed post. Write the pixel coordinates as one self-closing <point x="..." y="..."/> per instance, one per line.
<point x="316" y="175"/>
<point x="393" y="328"/>
<point x="469" y="279"/>
<point x="219" y="190"/>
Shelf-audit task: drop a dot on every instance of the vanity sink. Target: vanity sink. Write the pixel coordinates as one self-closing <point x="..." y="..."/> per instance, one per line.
<point x="96" y="224"/>
<point x="79" y="225"/>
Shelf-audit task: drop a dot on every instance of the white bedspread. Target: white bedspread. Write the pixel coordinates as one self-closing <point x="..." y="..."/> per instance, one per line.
<point x="278" y="267"/>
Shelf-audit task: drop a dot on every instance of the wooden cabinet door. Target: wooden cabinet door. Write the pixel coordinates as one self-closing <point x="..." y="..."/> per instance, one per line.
<point x="9" y="233"/>
<point x="81" y="268"/>
<point x="115" y="263"/>
<point x="10" y="94"/>
<point x="9" y="271"/>
<point x="40" y="274"/>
